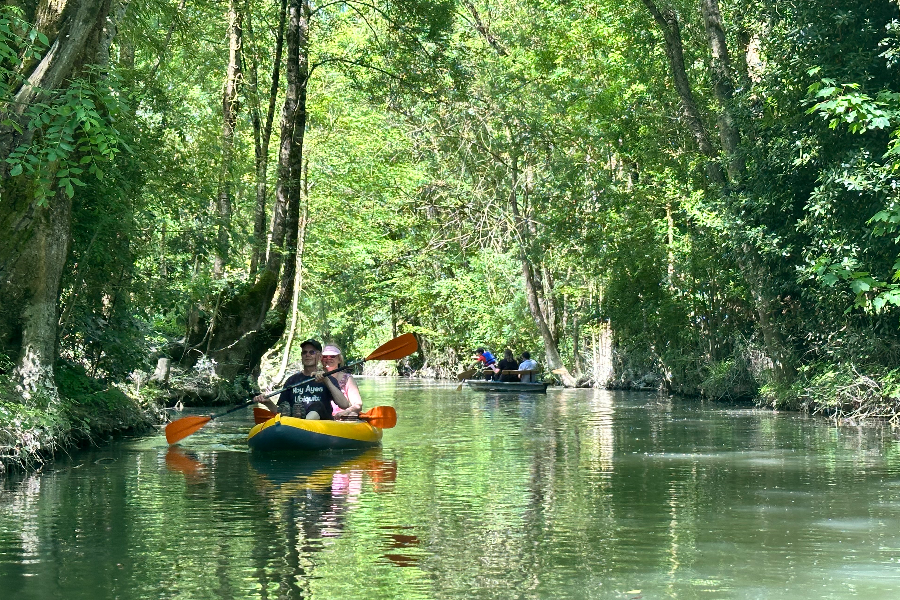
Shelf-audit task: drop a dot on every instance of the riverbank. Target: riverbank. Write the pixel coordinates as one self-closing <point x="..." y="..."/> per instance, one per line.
<point x="86" y="411"/>
<point x="847" y="393"/>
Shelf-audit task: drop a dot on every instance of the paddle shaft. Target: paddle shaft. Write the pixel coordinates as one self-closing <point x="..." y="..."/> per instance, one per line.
<point x="231" y="410"/>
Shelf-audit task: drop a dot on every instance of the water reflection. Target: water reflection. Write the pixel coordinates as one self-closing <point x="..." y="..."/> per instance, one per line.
<point x="309" y="497"/>
<point x="177" y="459"/>
<point x="576" y="494"/>
<point x="405" y="542"/>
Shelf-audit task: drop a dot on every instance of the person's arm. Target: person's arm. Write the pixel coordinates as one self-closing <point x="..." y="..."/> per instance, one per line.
<point x="283" y="397"/>
<point x="267" y="402"/>
<point x="353" y="397"/>
<point x="336" y="394"/>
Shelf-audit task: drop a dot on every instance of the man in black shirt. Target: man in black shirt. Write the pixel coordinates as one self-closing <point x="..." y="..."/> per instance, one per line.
<point x="310" y="400"/>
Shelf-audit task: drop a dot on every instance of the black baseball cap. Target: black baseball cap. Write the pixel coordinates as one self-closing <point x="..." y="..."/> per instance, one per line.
<point x="314" y="343"/>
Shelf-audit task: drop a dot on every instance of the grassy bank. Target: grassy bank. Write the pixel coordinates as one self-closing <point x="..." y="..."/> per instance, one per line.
<point x="85" y="411"/>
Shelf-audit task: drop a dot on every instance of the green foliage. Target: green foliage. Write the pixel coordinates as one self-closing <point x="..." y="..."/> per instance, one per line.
<point x="76" y="136"/>
<point x="16" y="45"/>
<point x="842" y="104"/>
<point x="730" y="380"/>
<point x="443" y="148"/>
<point x="851" y="393"/>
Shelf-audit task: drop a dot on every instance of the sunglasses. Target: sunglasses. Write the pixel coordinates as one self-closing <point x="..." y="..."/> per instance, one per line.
<point x="309" y="352"/>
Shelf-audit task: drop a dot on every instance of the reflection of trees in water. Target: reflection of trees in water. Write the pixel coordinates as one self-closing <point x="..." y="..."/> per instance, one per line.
<point x="309" y="499"/>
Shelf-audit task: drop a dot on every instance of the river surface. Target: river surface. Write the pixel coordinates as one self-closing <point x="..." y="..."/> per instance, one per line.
<point x="577" y="494"/>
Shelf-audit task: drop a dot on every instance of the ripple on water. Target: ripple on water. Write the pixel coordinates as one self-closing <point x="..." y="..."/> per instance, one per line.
<point x="849" y="525"/>
<point x="583" y="495"/>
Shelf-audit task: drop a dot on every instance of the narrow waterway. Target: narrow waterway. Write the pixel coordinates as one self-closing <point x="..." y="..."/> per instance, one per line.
<point x="577" y="494"/>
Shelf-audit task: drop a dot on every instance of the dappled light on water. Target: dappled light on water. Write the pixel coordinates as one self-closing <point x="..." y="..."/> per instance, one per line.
<point x="576" y="494"/>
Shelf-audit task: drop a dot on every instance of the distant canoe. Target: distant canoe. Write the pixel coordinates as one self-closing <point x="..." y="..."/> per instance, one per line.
<point x="517" y="387"/>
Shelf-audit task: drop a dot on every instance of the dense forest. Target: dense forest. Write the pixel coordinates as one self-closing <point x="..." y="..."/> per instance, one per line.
<point x="699" y="197"/>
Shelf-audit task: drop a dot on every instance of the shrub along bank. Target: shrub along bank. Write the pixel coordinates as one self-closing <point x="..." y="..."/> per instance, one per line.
<point x="85" y="411"/>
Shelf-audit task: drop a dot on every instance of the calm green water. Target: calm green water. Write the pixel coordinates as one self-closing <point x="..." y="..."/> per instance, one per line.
<point x="576" y="494"/>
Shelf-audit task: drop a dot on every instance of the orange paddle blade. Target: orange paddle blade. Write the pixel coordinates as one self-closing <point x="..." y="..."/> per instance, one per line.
<point x="261" y="415"/>
<point x="383" y="417"/>
<point x="397" y="348"/>
<point x="381" y="423"/>
<point x="181" y="428"/>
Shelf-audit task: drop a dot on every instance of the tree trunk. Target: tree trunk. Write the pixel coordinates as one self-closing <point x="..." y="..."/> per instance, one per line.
<point x="230" y="109"/>
<point x="291" y="187"/>
<point x="117" y="11"/>
<point x="287" y="186"/>
<point x="765" y="301"/>
<point x="723" y="86"/>
<point x="37" y="231"/>
<point x="262" y="133"/>
<point x="551" y="349"/>
<point x="74" y="27"/>
<point x="765" y="298"/>
<point x="246" y="326"/>
<point x="298" y="276"/>
<point x="667" y="21"/>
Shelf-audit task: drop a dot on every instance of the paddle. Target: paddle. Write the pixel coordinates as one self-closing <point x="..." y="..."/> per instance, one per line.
<point x="397" y="348"/>
<point x="466" y="374"/>
<point x="461" y="377"/>
<point x="383" y="417"/>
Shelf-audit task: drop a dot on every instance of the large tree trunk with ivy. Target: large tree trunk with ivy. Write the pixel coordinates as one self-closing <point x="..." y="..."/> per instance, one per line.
<point x="36" y="220"/>
<point x="246" y="325"/>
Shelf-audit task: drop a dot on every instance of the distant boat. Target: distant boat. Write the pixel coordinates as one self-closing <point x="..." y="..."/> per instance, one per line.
<point x="517" y="387"/>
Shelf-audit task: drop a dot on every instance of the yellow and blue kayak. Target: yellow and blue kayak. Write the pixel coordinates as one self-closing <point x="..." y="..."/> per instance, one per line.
<point x="289" y="433"/>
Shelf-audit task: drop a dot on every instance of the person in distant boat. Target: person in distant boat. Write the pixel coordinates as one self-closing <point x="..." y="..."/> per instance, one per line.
<point x="311" y="400"/>
<point x="333" y="359"/>
<point x="486" y="360"/>
<point x="527" y="365"/>
<point x="508" y="363"/>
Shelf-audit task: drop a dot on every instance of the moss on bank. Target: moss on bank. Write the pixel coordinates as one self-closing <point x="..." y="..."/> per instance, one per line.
<point x="86" y="410"/>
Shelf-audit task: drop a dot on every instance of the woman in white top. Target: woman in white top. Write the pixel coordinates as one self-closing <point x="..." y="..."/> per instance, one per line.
<point x="331" y="360"/>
